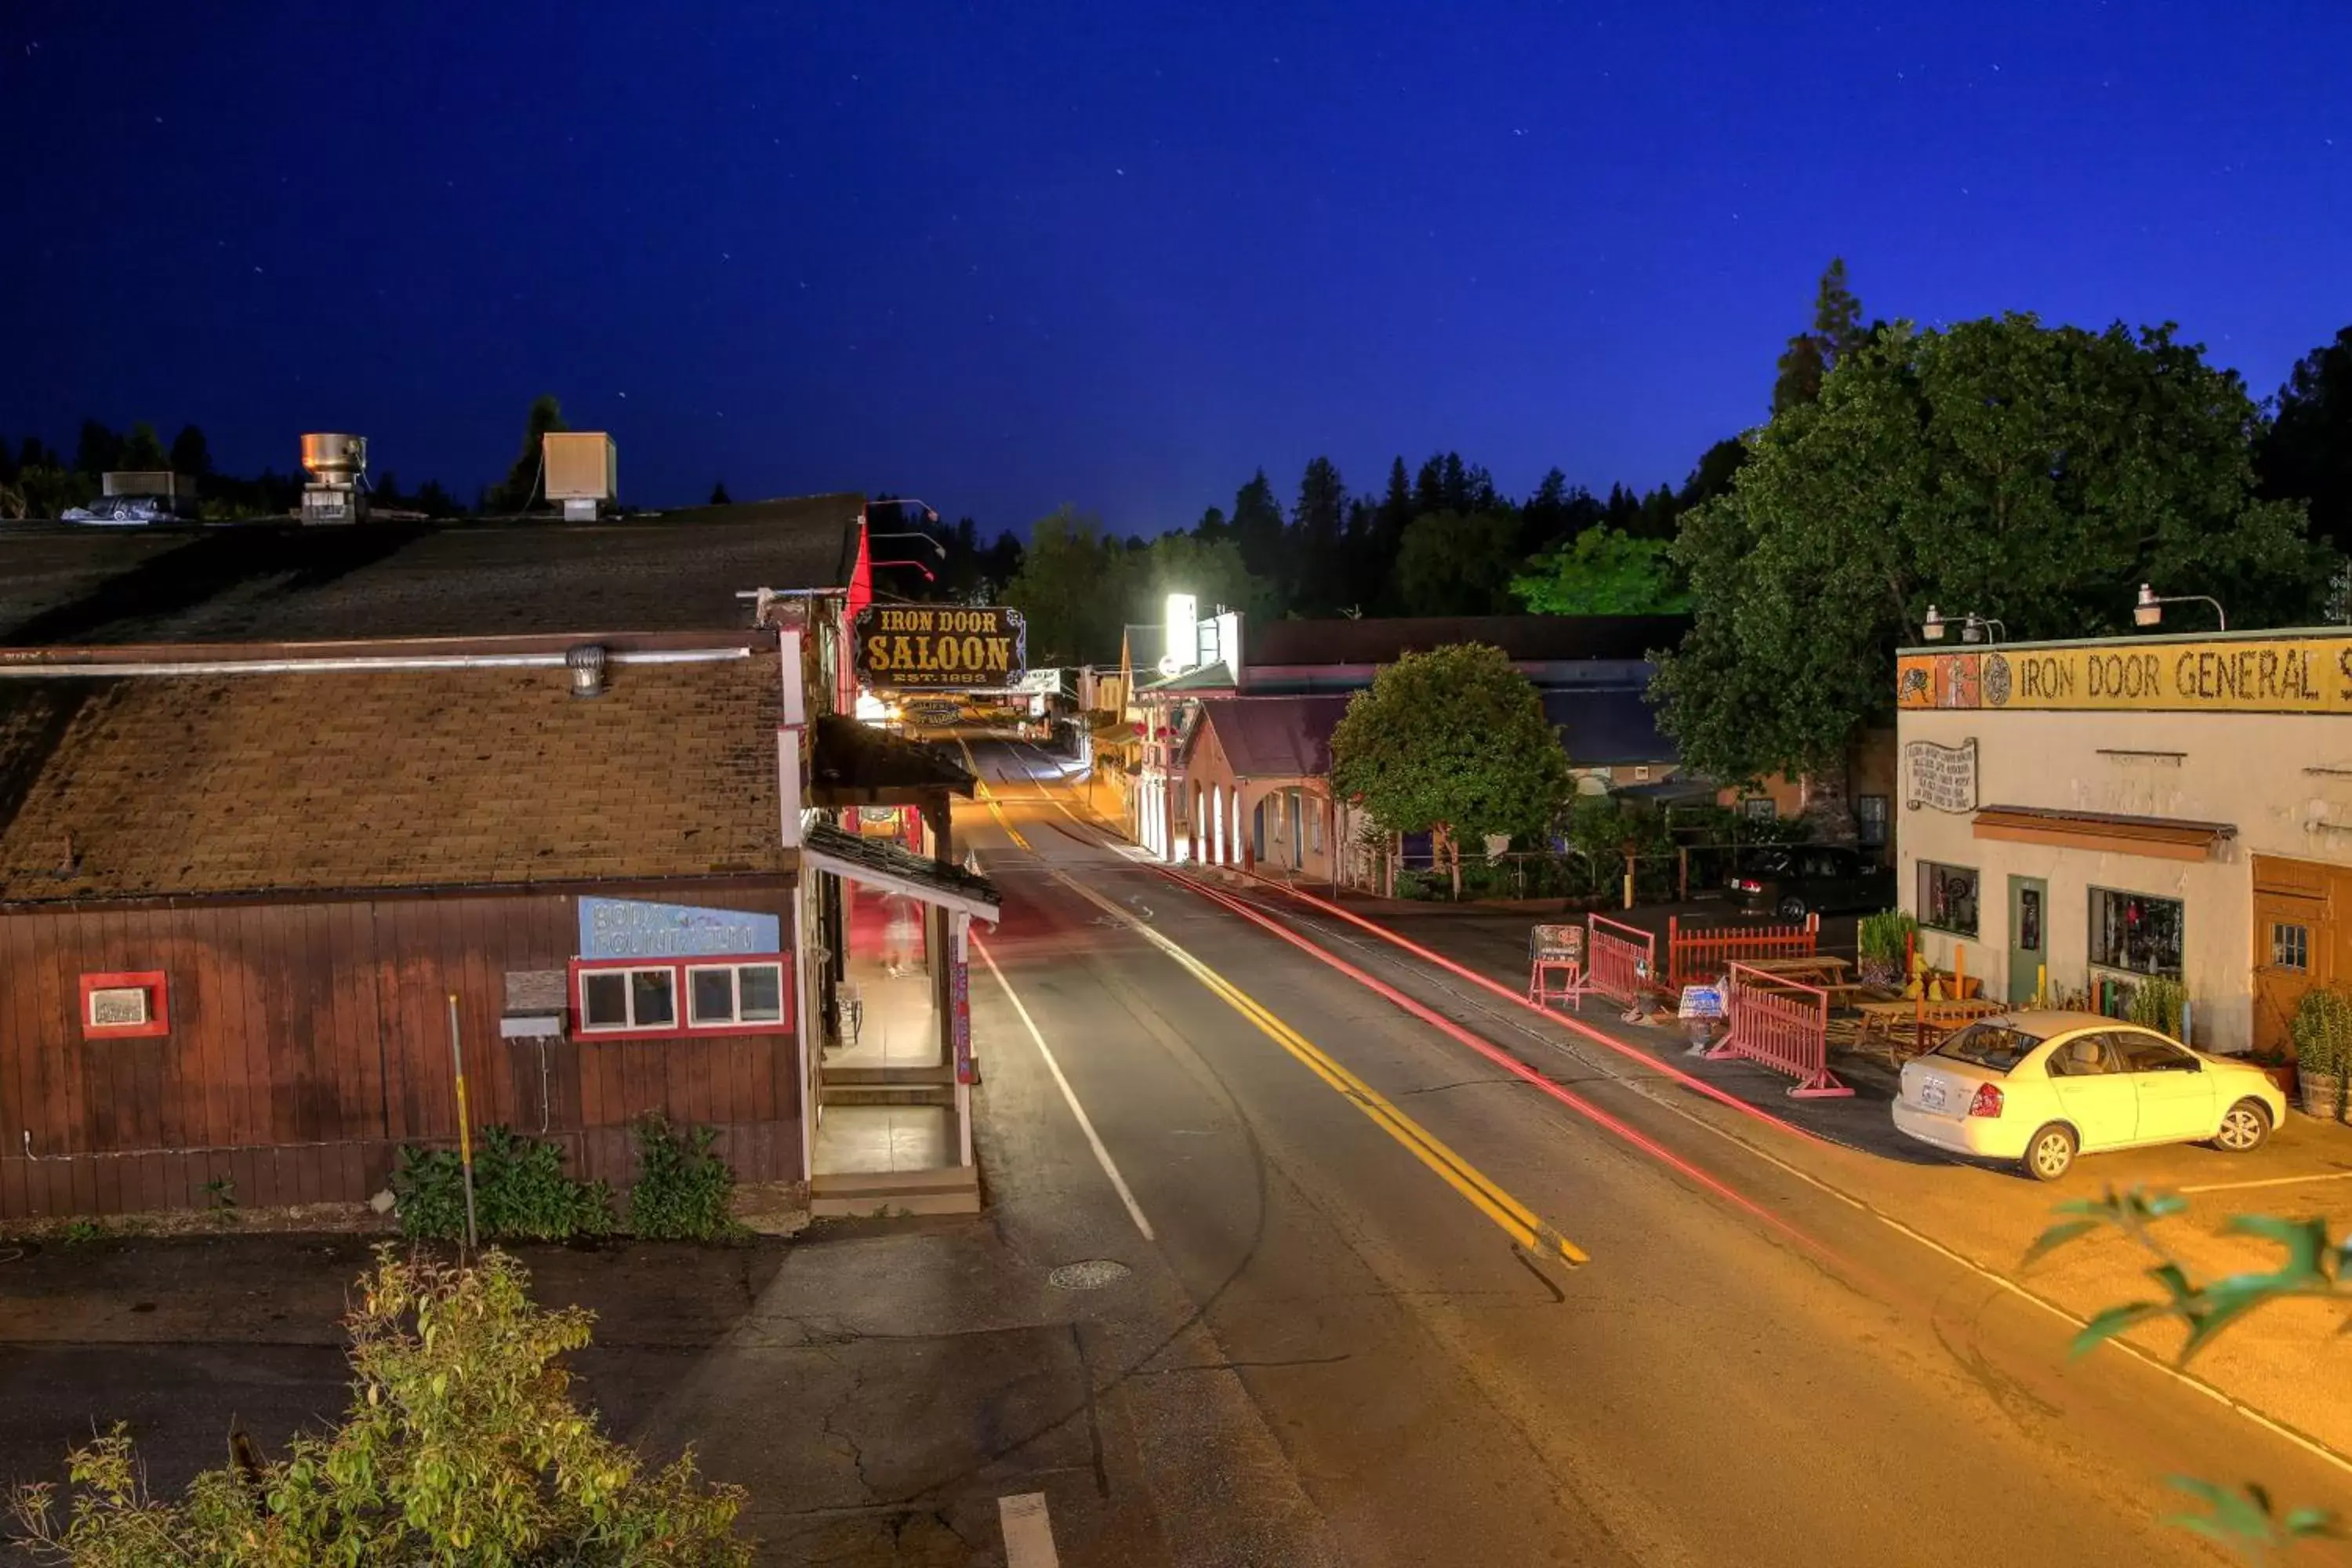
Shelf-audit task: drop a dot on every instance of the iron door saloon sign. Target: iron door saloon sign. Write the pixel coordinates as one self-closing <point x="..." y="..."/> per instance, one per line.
<point x="946" y="645"/>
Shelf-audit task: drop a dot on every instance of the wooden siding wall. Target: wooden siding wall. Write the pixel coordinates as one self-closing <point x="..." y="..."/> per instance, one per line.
<point x="309" y="1041"/>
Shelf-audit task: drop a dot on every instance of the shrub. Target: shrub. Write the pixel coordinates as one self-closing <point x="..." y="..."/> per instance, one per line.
<point x="1884" y="938"/>
<point x="684" y="1191"/>
<point x="2158" y="1003"/>
<point x="462" y="1444"/>
<point x="520" y="1193"/>
<point x="2322" y="1028"/>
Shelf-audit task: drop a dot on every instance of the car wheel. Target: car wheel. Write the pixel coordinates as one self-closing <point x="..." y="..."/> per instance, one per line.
<point x="2050" y="1153"/>
<point x="2245" y="1127"/>
<point x="1794" y="908"/>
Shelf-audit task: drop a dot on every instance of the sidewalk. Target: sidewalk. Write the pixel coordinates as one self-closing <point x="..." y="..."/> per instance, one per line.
<point x="2287" y="1362"/>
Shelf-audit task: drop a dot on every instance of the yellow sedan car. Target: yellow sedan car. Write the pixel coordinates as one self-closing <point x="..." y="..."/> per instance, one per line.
<point x="2041" y="1087"/>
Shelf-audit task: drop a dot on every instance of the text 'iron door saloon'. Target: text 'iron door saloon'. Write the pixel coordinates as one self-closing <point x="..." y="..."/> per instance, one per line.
<point x="2041" y="1087"/>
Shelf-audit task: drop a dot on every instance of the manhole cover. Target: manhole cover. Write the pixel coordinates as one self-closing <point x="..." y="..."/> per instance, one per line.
<point x="1091" y="1275"/>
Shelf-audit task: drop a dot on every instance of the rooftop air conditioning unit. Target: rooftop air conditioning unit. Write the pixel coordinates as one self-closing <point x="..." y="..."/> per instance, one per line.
<point x="338" y="468"/>
<point x="148" y="483"/>
<point x="583" y="471"/>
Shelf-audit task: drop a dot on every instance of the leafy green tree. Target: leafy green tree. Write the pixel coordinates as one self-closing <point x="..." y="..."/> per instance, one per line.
<point x="1258" y="527"/>
<point x="1603" y="572"/>
<point x="1073" y="589"/>
<point x="191" y="454"/>
<point x="1452" y="743"/>
<point x="2306" y="453"/>
<point x="1317" y="578"/>
<point x="1713" y="474"/>
<point x="97" y="449"/>
<point x="142" y="450"/>
<point x="433" y="500"/>
<point x="1837" y="332"/>
<point x="462" y="1447"/>
<point x="1211" y="570"/>
<point x="2029" y="473"/>
<point x="524" y="482"/>
<point x="1453" y="564"/>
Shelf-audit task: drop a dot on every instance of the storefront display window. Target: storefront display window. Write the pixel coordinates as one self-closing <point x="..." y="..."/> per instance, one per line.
<point x="2136" y="932"/>
<point x="1948" y="898"/>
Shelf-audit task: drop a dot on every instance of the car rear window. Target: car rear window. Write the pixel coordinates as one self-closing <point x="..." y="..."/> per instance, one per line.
<point x="1999" y="1047"/>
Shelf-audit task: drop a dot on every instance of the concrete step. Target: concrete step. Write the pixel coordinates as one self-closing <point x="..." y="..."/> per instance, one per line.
<point x="939" y="1073"/>
<point x="886" y="1094"/>
<point x="952" y="1189"/>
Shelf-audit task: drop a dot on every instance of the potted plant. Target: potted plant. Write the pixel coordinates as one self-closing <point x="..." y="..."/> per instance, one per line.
<point x="2323" y="1045"/>
<point x="2160" y="1004"/>
<point x="1885" y="940"/>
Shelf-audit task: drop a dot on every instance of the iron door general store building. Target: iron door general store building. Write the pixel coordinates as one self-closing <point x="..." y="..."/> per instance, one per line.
<point x="2104" y="810"/>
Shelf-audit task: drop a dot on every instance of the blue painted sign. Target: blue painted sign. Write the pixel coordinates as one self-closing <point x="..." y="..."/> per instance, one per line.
<point x="626" y="928"/>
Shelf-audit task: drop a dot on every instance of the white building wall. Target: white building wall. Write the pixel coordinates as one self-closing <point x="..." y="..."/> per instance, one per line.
<point x="2283" y="780"/>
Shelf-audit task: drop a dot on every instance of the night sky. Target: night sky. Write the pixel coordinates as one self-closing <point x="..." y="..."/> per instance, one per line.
<point x="1009" y="256"/>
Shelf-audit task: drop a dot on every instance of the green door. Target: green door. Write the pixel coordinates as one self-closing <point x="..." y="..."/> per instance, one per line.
<point x="2029" y="936"/>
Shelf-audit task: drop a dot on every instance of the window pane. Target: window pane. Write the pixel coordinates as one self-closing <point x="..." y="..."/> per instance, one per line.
<point x="763" y="993"/>
<point x="711" y="996"/>
<point x="1869" y="819"/>
<point x="2133" y="931"/>
<point x="2085" y="1055"/>
<point x="2146" y="1053"/>
<point x="605" y="999"/>
<point x="651" y="998"/>
<point x="2290" y="947"/>
<point x="1948" y="898"/>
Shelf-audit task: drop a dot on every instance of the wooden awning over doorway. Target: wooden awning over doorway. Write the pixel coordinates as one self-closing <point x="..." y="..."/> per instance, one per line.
<point x="2161" y="837"/>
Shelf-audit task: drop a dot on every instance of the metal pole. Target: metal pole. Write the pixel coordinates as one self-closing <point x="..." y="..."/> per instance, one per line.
<point x="465" y="1122"/>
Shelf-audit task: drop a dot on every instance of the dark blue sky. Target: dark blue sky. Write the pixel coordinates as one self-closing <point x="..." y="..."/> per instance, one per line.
<point x="1109" y="254"/>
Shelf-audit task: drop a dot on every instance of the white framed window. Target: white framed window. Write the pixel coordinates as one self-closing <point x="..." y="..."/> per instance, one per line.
<point x="627" y="998"/>
<point x="717" y="994"/>
<point x="1759" y="808"/>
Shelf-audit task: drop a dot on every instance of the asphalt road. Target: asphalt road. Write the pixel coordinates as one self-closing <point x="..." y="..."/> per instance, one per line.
<point x="1342" y="1341"/>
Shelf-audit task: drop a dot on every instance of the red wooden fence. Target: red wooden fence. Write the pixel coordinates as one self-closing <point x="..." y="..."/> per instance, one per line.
<point x="1696" y="957"/>
<point x="1780" y="1024"/>
<point x="1622" y="961"/>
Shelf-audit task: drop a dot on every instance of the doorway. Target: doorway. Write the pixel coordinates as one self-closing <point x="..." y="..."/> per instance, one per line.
<point x="2028" y="936"/>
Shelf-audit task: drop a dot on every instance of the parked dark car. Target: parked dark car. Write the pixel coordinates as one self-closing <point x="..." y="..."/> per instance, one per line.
<point x="1807" y="878"/>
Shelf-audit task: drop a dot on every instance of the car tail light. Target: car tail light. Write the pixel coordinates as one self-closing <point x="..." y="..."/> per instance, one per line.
<point x="1987" y="1101"/>
<point x="1745" y="886"/>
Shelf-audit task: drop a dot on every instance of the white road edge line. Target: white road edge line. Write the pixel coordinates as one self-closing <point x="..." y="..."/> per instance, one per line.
<point x="1028" y="1532"/>
<point x="1093" y="1140"/>
<point x="2271" y="1181"/>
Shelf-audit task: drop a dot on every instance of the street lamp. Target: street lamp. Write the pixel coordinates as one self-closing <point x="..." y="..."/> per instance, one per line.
<point x="929" y="513"/>
<point x="1974" y="627"/>
<point x="2149" y="610"/>
<point x="877" y="565"/>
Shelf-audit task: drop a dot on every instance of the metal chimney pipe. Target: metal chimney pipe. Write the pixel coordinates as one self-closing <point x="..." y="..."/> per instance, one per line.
<point x="586" y="663"/>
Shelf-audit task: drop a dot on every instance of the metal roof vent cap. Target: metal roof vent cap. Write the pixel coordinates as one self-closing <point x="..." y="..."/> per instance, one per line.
<point x="586" y="663"/>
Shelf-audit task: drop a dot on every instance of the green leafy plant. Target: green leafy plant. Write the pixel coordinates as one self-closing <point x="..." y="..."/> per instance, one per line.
<point x="684" y="1191"/>
<point x="2158" y="1003"/>
<point x="220" y="1195"/>
<point x="462" y="1446"/>
<point x="80" y="1230"/>
<point x="2322" y="1027"/>
<point x="1884" y="938"/>
<point x="521" y="1192"/>
<point x="2311" y="1266"/>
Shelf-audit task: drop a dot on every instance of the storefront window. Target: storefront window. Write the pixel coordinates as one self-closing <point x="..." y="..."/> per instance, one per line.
<point x="1948" y="898"/>
<point x="2136" y="932"/>
<point x="2290" y="947"/>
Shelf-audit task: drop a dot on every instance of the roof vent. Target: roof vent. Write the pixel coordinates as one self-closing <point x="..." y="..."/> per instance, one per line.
<point x="586" y="662"/>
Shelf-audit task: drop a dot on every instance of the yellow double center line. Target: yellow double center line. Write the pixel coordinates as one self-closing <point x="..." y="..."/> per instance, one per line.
<point x="1521" y="1224"/>
<point x="988" y="796"/>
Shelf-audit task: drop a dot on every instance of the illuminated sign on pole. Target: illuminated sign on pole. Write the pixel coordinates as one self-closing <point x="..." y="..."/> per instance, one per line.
<point x="1183" y="624"/>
